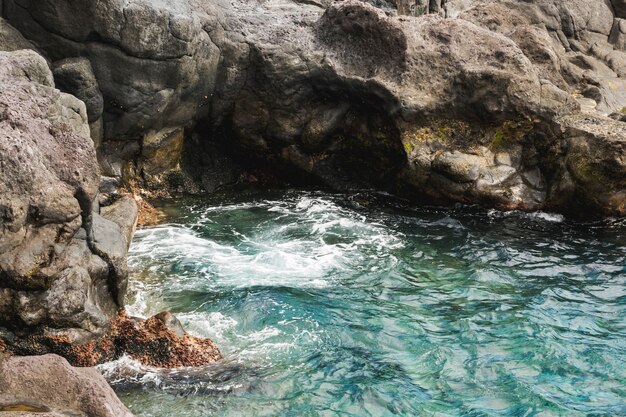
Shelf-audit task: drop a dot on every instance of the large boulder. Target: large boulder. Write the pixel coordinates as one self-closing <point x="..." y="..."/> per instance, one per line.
<point x="48" y="386"/>
<point x="62" y="265"/>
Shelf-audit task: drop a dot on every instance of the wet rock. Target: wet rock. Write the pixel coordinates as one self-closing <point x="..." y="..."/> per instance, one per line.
<point x="148" y="214"/>
<point x="48" y="386"/>
<point x="158" y="341"/>
<point x="171" y="323"/>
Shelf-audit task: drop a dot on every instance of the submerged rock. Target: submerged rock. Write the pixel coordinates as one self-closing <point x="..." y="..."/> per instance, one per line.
<point x="48" y="386"/>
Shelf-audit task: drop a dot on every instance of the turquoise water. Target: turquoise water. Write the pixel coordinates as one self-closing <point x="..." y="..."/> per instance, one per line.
<point x="357" y="305"/>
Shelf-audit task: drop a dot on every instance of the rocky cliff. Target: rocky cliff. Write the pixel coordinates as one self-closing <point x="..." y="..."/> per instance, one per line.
<point x="63" y="272"/>
<point x="61" y="263"/>
<point x="502" y="103"/>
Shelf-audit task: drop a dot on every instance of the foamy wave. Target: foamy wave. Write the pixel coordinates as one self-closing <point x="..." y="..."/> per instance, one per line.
<point x="225" y="376"/>
<point x="126" y="369"/>
<point x="535" y="215"/>
<point x="212" y="325"/>
<point x="270" y="255"/>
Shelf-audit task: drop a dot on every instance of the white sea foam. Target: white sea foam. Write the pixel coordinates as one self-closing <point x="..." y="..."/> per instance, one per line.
<point x="308" y="242"/>
<point x="549" y="217"/>
<point x="268" y="255"/>
<point x="535" y="215"/>
<point x="127" y="369"/>
<point x="213" y="325"/>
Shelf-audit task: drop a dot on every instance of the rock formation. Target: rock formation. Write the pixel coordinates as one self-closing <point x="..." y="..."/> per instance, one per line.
<point x="48" y="386"/>
<point x="512" y="104"/>
<point x="158" y="341"/>
<point x="63" y="272"/>
<point x="62" y="265"/>
<point x="478" y="101"/>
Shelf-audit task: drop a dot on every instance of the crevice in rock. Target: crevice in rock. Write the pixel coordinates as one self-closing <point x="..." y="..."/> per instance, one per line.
<point x="114" y="275"/>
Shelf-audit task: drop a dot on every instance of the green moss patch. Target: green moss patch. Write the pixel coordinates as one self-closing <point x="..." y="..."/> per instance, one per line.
<point x="510" y="132"/>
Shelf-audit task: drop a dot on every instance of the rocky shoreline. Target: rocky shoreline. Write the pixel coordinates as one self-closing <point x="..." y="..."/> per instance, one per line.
<point x="505" y="104"/>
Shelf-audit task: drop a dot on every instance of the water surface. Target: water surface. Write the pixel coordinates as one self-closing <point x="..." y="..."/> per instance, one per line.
<point x="357" y="305"/>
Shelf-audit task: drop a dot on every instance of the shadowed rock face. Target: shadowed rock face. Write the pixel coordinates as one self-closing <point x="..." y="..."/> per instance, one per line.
<point x="466" y="108"/>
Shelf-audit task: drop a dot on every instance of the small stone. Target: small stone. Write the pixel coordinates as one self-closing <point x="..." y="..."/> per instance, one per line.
<point x="503" y="158"/>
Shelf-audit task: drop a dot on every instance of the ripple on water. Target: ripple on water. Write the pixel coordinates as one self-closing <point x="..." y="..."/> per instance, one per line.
<point x="358" y="305"/>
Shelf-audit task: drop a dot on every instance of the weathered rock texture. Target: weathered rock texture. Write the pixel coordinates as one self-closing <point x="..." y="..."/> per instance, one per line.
<point x="63" y="272"/>
<point x="476" y="101"/>
<point x="48" y="386"/>
<point x="62" y="265"/>
<point x="158" y="341"/>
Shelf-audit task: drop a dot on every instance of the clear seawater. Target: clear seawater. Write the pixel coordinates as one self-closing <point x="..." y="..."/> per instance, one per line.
<point x="359" y="305"/>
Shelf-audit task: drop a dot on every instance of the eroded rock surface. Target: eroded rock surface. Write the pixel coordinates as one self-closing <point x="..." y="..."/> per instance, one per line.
<point x="48" y="386"/>
<point x="158" y="341"/>
<point x="465" y="102"/>
<point x="50" y="277"/>
<point x="63" y="272"/>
